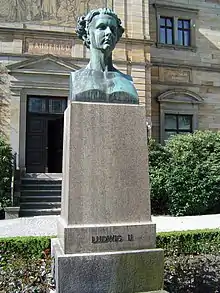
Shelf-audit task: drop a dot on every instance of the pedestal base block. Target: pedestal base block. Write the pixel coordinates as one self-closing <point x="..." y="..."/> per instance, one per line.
<point x="101" y="238"/>
<point x="132" y="271"/>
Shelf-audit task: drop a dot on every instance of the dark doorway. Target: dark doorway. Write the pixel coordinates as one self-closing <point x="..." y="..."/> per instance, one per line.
<point x="55" y="145"/>
<point x="36" y="143"/>
<point x="44" y="135"/>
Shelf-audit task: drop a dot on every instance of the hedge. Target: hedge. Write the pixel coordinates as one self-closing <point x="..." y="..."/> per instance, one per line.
<point x="192" y="242"/>
<point x="191" y="263"/>
<point x="189" y="242"/>
<point x="26" y="247"/>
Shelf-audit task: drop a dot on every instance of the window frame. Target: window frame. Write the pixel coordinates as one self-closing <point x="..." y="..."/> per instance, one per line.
<point x="177" y="129"/>
<point x="183" y="30"/>
<point x="177" y="13"/>
<point x="182" y="102"/>
<point x="167" y="27"/>
<point x="47" y="105"/>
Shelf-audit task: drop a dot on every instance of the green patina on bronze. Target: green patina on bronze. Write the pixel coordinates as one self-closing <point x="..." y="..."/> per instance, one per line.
<point x="100" y="81"/>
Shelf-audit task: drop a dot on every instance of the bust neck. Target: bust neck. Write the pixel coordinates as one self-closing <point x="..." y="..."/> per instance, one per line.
<point x="100" y="61"/>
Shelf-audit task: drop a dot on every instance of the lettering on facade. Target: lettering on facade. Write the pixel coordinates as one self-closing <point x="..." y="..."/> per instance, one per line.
<point x="111" y="238"/>
<point x="177" y="75"/>
<point x="43" y="46"/>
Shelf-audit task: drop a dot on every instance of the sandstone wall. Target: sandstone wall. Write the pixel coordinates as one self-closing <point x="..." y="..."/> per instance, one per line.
<point x="196" y="69"/>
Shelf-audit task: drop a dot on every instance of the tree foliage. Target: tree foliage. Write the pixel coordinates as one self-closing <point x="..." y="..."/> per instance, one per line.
<point x="185" y="174"/>
<point x="5" y="172"/>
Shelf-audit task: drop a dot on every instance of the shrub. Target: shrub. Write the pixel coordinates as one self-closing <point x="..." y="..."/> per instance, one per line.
<point x="189" y="242"/>
<point x="158" y="164"/>
<point x="25" y="247"/>
<point x="192" y="274"/>
<point x="187" y="178"/>
<point x="5" y="172"/>
<point x="25" y="265"/>
<point x="26" y="275"/>
<point x="192" y="262"/>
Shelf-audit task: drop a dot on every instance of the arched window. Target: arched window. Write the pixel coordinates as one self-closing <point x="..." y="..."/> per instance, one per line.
<point x="178" y="112"/>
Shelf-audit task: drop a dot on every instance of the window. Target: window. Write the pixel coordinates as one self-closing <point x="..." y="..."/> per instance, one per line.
<point x="46" y="105"/>
<point x="37" y="105"/>
<point x="177" y="124"/>
<point x="176" y="26"/>
<point x="171" y="27"/>
<point x="184" y="32"/>
<point x="166" y="30"/>
<point x="178" y="112"/>
<point x="57" y="105"/>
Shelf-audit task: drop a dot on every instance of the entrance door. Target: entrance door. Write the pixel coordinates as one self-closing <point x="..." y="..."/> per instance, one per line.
<point x="55" y="144"/>
<point x="44" y="135"/>
<point x="36" y="144"/>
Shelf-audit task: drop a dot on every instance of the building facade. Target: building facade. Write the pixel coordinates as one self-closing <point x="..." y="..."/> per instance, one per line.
<point x="185" y="70"/>
<point x="171" y="49"/>
<point x="38" y="50"/>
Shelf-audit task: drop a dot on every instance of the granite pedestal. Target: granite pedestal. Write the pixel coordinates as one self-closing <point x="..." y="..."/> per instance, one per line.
<point x="106" y="240"/>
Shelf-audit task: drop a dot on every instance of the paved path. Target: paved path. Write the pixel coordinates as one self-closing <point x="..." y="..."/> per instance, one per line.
<point x="47" y="225"/>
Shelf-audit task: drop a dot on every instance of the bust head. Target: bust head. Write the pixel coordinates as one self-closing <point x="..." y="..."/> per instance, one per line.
<point x="100" y="29"/>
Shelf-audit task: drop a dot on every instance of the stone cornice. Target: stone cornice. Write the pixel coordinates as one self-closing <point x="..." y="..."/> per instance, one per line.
<point x="56" y="33"/>
<point x="181" y="84"/>
<point x="35" y="72"/>
<point x="180" y="96"/>
<point x="22" y="65"/>
<point x="40" y="85"/>
<point x="212" y="68"/>
<point x="84" y="60"/>
<point x="175" y="7"/>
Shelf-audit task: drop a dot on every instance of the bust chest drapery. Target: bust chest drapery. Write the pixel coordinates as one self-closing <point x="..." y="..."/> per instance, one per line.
<point x="89" y="85"/>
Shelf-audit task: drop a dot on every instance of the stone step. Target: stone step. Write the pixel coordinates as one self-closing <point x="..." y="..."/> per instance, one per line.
<point x="41" y="186"/>
<point x="41" y="192"/>
<point x="51" y="176"/>
<point x="39" y="205"/>
<point x="39" y="212"/>
<point x="40" y="198"/>
<point x="27" y="181"/>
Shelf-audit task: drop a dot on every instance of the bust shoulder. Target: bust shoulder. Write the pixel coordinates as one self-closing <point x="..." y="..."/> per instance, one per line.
<point x="107" y="84"/>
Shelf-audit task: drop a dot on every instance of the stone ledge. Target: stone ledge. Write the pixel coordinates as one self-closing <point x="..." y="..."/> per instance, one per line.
<point x="11" y="212"/>
<point x="176" y="47"/>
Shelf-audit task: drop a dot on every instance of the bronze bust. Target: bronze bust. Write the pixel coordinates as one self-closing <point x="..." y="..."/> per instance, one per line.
<point x="100" y="81"/>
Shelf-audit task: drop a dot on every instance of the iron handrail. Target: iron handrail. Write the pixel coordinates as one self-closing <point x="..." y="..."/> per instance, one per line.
<point x="14" y="167"/>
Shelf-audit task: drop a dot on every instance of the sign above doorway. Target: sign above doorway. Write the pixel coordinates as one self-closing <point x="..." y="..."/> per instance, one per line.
<point x="41" y="46"/>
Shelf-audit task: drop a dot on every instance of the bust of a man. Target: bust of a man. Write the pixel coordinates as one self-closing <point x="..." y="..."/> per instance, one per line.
<point x="100" y="81"/>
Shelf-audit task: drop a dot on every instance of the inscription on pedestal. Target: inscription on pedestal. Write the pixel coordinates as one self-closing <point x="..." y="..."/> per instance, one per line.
<point x="111" y="238"/>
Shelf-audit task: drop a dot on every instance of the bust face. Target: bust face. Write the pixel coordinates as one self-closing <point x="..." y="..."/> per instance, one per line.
<point x="103" y="32"/>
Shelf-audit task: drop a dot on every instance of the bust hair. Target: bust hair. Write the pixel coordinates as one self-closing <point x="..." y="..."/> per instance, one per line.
<point x="83" y="22"/>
